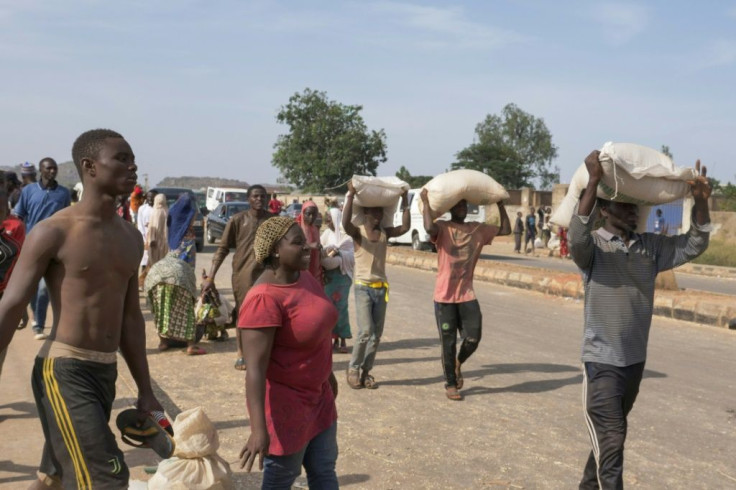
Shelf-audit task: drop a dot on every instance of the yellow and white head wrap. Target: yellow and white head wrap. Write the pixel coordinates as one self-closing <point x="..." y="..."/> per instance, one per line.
<point x="268" y="235"/>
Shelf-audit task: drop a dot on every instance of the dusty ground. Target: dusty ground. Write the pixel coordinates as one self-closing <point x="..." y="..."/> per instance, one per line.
<point x="520" y="425"/>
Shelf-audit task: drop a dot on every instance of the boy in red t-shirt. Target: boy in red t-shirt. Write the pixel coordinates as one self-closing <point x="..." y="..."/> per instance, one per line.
<point x="456" y="308"/>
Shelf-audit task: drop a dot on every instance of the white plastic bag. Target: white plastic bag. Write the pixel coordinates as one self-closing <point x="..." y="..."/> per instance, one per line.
<point x="195" y="464"/>
<point x="377" y="192"/>
<point x="446" y="190"/>
<point x="631" y="173"/>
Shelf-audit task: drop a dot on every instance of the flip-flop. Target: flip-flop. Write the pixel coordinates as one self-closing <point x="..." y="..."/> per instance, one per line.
<point x="453" y="394"/>
<point x="240" y="364"/>
<point x="194" y="350"/>
<point x="369" y="381"/>
<point x="147" y="434"/>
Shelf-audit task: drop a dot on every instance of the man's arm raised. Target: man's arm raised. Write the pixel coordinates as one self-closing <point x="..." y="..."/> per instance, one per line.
<point x="38" y="249"/>
<point x="405" y="218"/>
<point x="579" y="237"/>
<point x="505" y="228"/>
<point x="429" y="225"/>
<point x="347" y="214"/>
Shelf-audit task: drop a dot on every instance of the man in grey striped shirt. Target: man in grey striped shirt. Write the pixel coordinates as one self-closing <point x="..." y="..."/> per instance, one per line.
<point x="619" y="267"/>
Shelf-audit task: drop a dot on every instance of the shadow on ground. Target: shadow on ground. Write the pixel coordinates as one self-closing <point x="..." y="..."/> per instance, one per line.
<point x="27" y="473"/>
<point x="27" y="411"/>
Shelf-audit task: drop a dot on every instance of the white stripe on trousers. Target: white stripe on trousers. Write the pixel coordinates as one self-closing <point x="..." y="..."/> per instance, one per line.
<point x="591" y="427"/>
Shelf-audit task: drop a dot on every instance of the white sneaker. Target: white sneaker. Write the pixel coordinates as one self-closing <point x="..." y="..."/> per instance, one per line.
<point x="40" y="336"/>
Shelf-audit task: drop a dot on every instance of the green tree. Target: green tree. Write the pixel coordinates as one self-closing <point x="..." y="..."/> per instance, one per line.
<point x="666" y="150"/>
<point x="515" y="148"/>
<point x="415" y="181"/>
<point x="326" y="144"/>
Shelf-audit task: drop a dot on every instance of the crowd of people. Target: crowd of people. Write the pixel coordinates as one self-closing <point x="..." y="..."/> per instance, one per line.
<point x="291" y="286"/>
<point x="536" y="231"/>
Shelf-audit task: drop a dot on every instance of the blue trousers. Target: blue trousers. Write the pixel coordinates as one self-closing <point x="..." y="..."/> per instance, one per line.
<point x="40" y="304"/>
<point x="370" y="313"/>
<point x="318" y="458"/>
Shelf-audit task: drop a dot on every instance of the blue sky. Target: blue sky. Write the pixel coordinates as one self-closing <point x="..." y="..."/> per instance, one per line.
<point x="195" y="85"/>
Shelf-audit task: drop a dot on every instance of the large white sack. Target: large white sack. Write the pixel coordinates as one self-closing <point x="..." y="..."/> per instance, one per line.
<point x="626" y="179"/>
<point x="446" y="190"/>
<point x="563" y="214"/>
<point x="207" y="473"/>
<point x="195" y="464"/>
<point x="377" y="192"/>
<point x="640" y="175"/>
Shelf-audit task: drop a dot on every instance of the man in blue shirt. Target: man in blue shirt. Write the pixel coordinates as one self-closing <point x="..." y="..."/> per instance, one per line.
<point x="659" y="224"/>
<point x="38" y="201"/>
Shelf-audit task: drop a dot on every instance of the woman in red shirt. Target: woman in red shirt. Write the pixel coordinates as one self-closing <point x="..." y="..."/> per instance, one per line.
<point x="287" y="324"/>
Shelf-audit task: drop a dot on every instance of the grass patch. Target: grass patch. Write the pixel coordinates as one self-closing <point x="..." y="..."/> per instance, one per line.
<point x="719" y="252"/>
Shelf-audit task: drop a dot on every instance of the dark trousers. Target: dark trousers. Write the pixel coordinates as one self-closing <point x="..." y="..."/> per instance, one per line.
<point x="74" y="400"/>
<point x="609" y="393"/>
<point x="452" y="318"/>
<point x="530" y="237"/>
<point x="517" y="242"/>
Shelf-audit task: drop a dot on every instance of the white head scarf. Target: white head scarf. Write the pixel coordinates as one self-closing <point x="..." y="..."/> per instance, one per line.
<point x="340" y="240"/>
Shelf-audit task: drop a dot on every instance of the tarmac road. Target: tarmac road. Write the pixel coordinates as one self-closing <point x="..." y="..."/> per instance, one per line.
<point x="684" y="281"/>
<point x="520" y="425"/>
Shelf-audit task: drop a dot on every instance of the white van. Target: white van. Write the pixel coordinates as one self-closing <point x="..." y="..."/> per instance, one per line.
<point x="416" y="236"/>
<point x="218" y="195"/>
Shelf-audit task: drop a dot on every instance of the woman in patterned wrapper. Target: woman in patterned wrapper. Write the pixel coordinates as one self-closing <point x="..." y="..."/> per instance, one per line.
<point x="171" y="283"/>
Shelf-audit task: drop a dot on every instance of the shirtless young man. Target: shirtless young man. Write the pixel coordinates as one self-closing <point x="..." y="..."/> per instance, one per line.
<point x="89" y="258"/>
<point x="371" y="285"/>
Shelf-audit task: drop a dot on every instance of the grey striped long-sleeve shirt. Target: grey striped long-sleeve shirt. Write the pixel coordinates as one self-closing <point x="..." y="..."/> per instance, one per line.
<point x="619" y="284"/>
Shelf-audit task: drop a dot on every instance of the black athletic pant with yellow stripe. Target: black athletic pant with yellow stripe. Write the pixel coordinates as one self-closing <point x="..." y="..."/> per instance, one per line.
<point x="74" y="400"/>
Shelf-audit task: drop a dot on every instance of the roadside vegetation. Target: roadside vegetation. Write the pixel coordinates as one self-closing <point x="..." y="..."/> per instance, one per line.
<point x="720" y="252"/>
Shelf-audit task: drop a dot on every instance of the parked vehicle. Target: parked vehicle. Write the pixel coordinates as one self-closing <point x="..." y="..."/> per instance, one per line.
<point x="295" y="209"/>
<point x="172" y="194"/>
<point x="218" y="218"/>
<point x="219" y="195"/>
<point x="292" y="210"/>
<point x="201" y="200"/>
<point x="416" y="236"/>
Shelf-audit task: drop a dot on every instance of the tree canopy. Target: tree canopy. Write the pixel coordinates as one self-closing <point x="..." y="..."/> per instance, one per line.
<point x="415" y="181"/>
<point x="326" y="144"/>
<point x="515" y="148"/>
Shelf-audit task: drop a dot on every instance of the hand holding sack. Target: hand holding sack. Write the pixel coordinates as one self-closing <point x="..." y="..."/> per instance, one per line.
<point x="377" y="192"/>
<point x="446" y="190"/>
<point x="631" y="173"/>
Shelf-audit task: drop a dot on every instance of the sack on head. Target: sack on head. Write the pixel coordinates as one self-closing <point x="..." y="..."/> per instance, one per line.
<point x="446" y="190"/>
<point x="377" y="192"/>
<point x="631" y="173"/>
